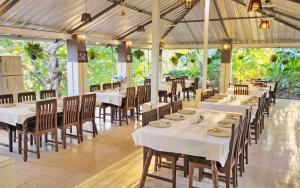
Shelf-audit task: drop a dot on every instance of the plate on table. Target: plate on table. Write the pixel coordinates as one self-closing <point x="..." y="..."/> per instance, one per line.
<point x="8" y="105"/>
<point x="212" y="100"/>
<point x="217" y="132"/>
<point x="217" y="97"/>
<point x="174" y="117"/>
<point x="225" y="123"/>
<point x="222" y="95"/>
<point x="233" y="115"/>
<point x="160" y="124"/>
<point x="187" y="111"/>
<point x="29" y="102"/>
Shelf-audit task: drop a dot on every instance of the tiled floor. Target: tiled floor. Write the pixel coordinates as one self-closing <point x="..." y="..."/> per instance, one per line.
<point x="112" y="161"/>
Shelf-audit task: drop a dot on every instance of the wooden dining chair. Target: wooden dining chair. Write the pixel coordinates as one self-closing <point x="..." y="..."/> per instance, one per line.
<point x="106" y="86"/>
<point x="241" y="143"/>
<point x="247" y="137"/>
<point x="193" y="88"/>
<point x="274" y="92"/>
<point x="147" y="81"/>
<point x="147" y="93"/>
<point x="26" y="96"/>
<point x="177" y="105"/>
<point x="149" y="153"/>
<point x="241" y="89"/>
<point x="6" y="99"/>
<point x="164" y="110"/>
<point x="96" y="87"/>
<point x="70" y="118"/>
<point x="128" y="104"/>
<point x="116" y="85"/>
<point x="140" y="99"/>
<point x="260" y="84"/>
<point x="46" y="94"/>
<point x="173" y="94"/>
<point x="230" y="168"/>
<point x="45" y="122"/>
<point x="168" y="79"/>
<point x="256" y="123"/>
<point x="87" y="113"/>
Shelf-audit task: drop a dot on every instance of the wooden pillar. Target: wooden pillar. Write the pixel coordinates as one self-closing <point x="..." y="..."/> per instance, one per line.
<point x="155" y="51"/>
<point x="77" y="77"/>
<point x="225" y="69"/>
<point x="124" y="65"/>
<point x="205" y="44"/>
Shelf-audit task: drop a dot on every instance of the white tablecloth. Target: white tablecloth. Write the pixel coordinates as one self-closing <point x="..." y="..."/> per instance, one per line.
<point x="185" y="137"/>
<point x="111" y="97"/>
<point x="255" y="91"/>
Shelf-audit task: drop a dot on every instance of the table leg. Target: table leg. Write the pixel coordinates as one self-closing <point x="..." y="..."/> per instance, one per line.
<point x="146" y="168"/>
<point x="214" y="172"/>
<point x="10" y="139"/>
<point x="25" y="141"/>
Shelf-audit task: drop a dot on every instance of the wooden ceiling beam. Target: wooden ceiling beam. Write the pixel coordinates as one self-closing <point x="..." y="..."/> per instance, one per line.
<point x="224" y="19"/>
<point x="221" y="19"/>
<point x="99" y="14"/>
<point x="8" y="6"/>
<point x="274" y="11"/>
<point x="133" y="30"/>
<point x="263" y="12"/>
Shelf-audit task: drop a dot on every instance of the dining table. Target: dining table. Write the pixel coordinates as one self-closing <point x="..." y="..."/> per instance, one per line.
<point x="189" y="136"/>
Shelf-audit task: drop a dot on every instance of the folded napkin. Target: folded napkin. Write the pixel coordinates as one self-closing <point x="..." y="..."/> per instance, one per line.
<point x="160" y="124"/>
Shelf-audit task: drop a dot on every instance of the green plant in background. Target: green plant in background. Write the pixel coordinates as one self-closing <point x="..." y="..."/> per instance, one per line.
<point x="92" y="53"/>
<point x="34" y="50"/>
<point x="138" y="53"/>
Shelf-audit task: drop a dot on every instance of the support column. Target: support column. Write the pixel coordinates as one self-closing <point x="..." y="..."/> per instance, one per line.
<point x="124" y="65"/>
<point x="225" y="70"/>
<point x="155" y="50"/>
<point x="77" y="77"/>
<point x="205" y="44"/>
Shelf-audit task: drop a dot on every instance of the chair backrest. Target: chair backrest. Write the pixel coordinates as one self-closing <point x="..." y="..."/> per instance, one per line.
<point x="164" y="110"/>
<point x="276" y="87"/>
<point x="116" y="85"/>
<point x="140" y="95"/>
<point x="96" y="87"/>
<point x="181" y="81"/>
<point x="88" y="105"/>
<point x="46" y="116"/>
<point x="26" y="96"/>
<point x="147" y="93"/>
<point x="241" y="89"/>
<point x="177" y="105"/>
<point x="71" y="109"/>
<point x="168" y="79"/>
<point x="249" y="115"/>
<point x="7" y="98"/>
<point x="174" y="88"/>
<point x="149" y="116"/>
<point x="243" y="130"/>
<point x="106" y="86"/>
<point x="196" y="83"/>
<point x="235" y="132"/>
<point x="147" y="81"/>
<point x="260" y="84"/>
<point x="46" y="94"/>
<point x="130" y="97"/>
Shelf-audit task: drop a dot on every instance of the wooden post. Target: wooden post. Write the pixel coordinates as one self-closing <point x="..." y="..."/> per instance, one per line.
<point x="205" y="44"/>
<point x="125" y="62"/>
<point x="77" y="77"/>
<point x="155" y="51"/>
<point x="225" y="70"/>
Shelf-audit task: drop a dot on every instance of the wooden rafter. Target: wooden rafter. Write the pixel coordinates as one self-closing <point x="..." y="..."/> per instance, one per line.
<point x="102" y="12"/>
<point x="177" y="21"/>
<point x="224" y="19"/>
<point x="274" y="11"/>
<point x="8" y="6"/>
<point x="133" y="30"/>
<point x="221" y="19"/>
<point x="263" y="12"/>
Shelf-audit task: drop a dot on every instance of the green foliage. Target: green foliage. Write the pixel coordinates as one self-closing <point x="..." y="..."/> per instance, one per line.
<point x="138" y="54"/>
<point x="140" y="68"/>
<point x="34" y="50"/>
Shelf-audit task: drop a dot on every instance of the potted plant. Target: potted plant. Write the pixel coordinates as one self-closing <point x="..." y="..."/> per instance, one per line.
<point x="92" y="53"/>
<point x="285" y="61"/>
<point x="138" y="53"/>
<point x="174" y="60"/>
<point x="34" y="50"/>
<point x="274" y="57"/>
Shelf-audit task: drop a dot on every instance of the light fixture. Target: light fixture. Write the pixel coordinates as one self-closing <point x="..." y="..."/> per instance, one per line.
<point x="86" y="17"/>
<point x="123" y="12"/>
<point x="264" y="24"/>
<point x="227" y="46"/>
<point x="140" y="28"/>
<point x="254" y="6"/>
<point x="267" y="1"/>
<point x="187" y="3"/>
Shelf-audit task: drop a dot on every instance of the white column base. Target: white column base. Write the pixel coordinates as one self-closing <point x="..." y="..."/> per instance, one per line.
<point x="225" y="77"/>
<point x="77" y="78"/>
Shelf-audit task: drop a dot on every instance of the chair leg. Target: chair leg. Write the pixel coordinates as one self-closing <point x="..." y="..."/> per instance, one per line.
<point x="63" y="131"/>
<point x="191" y="174"/>
<point x="37" y="141"/>
<point x="234" y="176"/>
<point x="174" y="172"/>
<point x="104" y="114"/>
<point x="81" y="132"/>
<point x="246" y="153"/>
<point x="95" y="127"/>
<point x="146" y="168"/>
<point x="55" y="140"/>
<point x="227" y="178"/>
<point x="31" y="140"/>
<point x="20" y="143"/>
<point x="120" y="116"/>
<point x="155" y="163"/>
<point x="78" y="134"/>
<point x="15" y="136"/>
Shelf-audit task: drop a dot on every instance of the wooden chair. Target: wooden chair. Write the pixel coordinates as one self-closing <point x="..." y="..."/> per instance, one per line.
<point x="106" y="86"/>
<point x="256" y="123"/>
<point x="26" y="96"/>
<point x="147" y="81"/>
<point x="127" y="104"/>
<point x="247" y="137"/>
<point x="87" y="113"/>
<point x="116" y="85"/>
<point x="140" y="99"/>
<point x="149" y="153"/>
<point x="94" y="88"/>
<point x="71" y="109"/>
<point x="241" y="142"/>
<point x="177" y="105"/>
<point x="168" y="79"/>
<point x="229" y="169"/>
<point x="173" y="94"/>
<point x="274" y="93"/>
<point x="193" y="88"/>
<point x="6" y="99"/>
<point x="241" y="89"/>
<point x="46" y="94"/>
<point x="164" y="110"/>
<point x="260" y="84"/>
<point x="45" y="122"/>
<point x="147" y="93"/>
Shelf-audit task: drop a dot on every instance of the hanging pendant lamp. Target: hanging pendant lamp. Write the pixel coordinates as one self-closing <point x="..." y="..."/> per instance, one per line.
<point x="254" y="6"/>
<point x="187" y="3"/>
<point x="264" y="24"/>
<point x="86" y="17"/>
